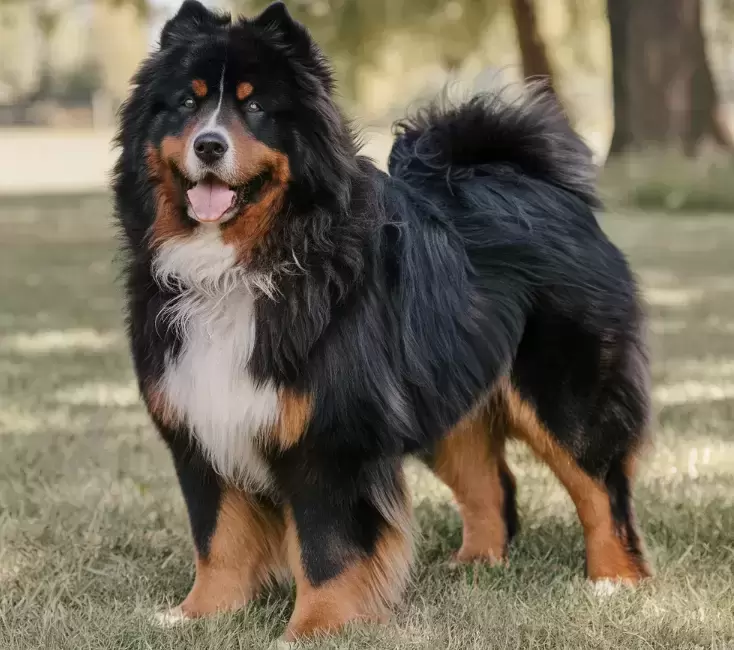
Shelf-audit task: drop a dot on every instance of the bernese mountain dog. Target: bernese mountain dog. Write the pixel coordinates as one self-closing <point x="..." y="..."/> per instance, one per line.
<point x="301" y="322"/>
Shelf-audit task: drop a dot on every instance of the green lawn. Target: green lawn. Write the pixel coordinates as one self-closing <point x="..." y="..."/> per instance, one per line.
<point x="93" y="532"/>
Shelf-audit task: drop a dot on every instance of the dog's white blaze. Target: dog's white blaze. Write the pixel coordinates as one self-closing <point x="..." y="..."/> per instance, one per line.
<point x="225" y="168"/>
<point x="215" y="115"/>
<point x="207" y="384"/>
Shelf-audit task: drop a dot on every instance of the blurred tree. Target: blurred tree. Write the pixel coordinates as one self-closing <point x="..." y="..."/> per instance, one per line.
<point x="533" y="52"/>
<point x="58" y="7"/>
<point x="48" y="14"/>
<point x="663" y="87"/>
<point x="354" y="32"/>
<point x="47" y="21"/>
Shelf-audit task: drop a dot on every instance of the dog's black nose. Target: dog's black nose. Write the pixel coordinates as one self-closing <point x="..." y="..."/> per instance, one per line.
<point x="210" y="147"/>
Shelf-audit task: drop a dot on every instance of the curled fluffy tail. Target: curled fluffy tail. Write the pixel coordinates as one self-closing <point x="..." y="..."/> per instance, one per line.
<point x="488" y="133"/>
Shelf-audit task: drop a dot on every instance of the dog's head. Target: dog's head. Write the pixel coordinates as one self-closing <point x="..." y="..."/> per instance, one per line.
<point x="229" y="122"/>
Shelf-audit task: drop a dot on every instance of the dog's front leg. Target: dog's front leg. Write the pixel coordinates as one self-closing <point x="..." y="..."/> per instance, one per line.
<point x="348" y="540"/>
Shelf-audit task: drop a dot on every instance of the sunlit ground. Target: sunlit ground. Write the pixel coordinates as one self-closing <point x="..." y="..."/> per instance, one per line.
<point x="93" y="532"/>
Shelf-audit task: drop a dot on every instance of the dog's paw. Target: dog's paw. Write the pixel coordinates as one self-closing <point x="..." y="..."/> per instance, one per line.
<point x="606" y="587"/>
<point x="462" y="559"/>
<point x="171" y="617"/>
<point x="282" y="644"/>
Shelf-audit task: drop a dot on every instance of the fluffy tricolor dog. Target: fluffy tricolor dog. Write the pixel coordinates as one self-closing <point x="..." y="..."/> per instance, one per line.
<point x="301" y="321"/>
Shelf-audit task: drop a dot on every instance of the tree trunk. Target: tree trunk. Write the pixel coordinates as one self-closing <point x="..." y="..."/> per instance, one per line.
<point x="663" y="88"/>
<point x="535" y="61"/>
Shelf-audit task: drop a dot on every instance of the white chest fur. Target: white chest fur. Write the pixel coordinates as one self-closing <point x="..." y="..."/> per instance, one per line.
<point x="207" y="384"/>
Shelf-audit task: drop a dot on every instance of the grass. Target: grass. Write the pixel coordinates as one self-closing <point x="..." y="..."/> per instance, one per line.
<point x="668" y="181"/>
<point x="94" y="536"/>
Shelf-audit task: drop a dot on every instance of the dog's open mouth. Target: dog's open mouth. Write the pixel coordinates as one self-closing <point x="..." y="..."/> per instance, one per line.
<point x="211" y="200"/>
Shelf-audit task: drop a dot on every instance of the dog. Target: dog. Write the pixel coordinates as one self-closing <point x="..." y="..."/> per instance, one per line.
<point x="300" y="322"/>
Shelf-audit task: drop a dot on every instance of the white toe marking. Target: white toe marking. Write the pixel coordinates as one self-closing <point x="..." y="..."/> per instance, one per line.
<point x="281" y="644"/>
<point x="171" y="617"/>
<point x="606" y="587"/>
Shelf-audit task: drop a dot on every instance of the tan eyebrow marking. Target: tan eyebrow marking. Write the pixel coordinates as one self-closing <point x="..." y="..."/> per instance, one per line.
<point x="244" y="90"/>
<point x="200" y="88"/>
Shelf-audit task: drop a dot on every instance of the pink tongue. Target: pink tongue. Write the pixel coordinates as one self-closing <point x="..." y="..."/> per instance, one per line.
<point x="210" y="199"/>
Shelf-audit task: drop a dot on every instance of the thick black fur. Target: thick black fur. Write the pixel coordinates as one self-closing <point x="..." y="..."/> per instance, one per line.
<point x="478" y="257"/>
<point x="200" y="486"/>
<point x="509" y="505"/>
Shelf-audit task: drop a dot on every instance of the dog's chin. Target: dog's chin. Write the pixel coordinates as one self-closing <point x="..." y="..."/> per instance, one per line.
<point x="244" y="194"/>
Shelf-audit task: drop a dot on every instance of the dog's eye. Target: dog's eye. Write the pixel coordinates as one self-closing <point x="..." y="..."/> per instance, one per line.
<point x="253" y="107"/>
<point x="188" y="103"/>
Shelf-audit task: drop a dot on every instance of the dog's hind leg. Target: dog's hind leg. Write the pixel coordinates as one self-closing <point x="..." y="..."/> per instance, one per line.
<point x="603" y="502"/>
<point x="470" y="460"/>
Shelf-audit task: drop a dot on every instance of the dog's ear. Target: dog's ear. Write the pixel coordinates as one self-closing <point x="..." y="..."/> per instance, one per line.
<point x="275" y="18"/>
<point x="192" y="19"/>
<point x="276" y="21"/>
